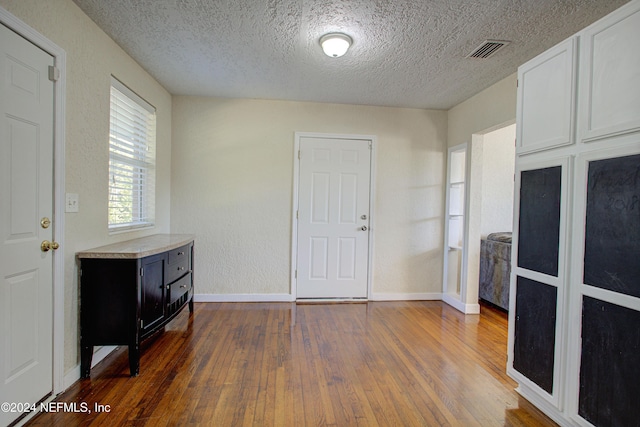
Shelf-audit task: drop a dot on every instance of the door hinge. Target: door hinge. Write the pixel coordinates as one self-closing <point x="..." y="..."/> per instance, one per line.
<point x="370" y="145"/>
<point x="299" y="155"/>
<point x="297" y="214"/>
<point x="296" y="274"/>
<point x="141" y="271"/>
<point x="54" y="73"/>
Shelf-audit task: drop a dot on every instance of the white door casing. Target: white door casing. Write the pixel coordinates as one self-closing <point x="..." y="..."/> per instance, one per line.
<point x="333" y="226"/>
<point x="454" y="285"/>
<point x="26" y="191"/>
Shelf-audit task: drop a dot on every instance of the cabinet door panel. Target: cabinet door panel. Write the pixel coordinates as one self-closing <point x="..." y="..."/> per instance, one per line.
<point x="610" y="78"/>
<point x="539" y="222"/>
<point x="545" y="99"/>
<point x="535" y="331"/>
<point x="612" y="231"/>
<point x="610" y="364"/>
<point x="153" y="291"/>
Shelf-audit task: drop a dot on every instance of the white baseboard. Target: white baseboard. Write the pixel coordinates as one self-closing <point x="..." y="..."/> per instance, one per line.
<point x="71" y="377"/>
<point x="289" y="298"/>
<point x="426" y="296"/>
<point x="460" y="306"/>
<point x="73" y="374"/>
<point x="243" y="298"/>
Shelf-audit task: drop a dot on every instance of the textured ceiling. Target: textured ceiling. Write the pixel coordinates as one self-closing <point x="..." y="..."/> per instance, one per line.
<point x="405" y="53"/>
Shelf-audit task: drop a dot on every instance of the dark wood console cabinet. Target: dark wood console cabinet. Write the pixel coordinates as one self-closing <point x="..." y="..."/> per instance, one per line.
<point x="130" y="290"/>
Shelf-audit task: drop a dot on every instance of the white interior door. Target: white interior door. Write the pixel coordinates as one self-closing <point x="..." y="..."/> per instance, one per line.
<point x="333" y="218"/>
<point x="26" y="191"/>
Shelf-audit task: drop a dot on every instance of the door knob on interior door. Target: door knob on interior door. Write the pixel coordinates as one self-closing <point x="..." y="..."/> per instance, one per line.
<point x="364" y="228"/>
<point x="46" y="245"/>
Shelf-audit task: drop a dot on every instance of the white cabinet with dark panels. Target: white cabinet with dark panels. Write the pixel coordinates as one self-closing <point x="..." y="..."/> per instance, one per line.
<point x="574" y="320"/>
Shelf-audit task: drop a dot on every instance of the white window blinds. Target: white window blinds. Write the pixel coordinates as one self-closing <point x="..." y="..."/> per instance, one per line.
<point x="132" y="160"/>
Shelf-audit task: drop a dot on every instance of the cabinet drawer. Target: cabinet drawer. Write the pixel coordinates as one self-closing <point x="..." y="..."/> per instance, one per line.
<point x="180" y="254"/>
<point x="176" y="270"/>
<point x="179" y="264"/>
<point x="179" y="288"/>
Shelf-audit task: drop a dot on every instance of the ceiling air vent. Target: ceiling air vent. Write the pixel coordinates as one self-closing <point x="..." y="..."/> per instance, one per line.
<point x="488" y="48"/>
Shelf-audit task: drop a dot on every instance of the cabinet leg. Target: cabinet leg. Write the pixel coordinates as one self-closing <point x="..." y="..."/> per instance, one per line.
<point x="86" y="356"/>
<point x="134" y="359"/>
<point x="191" y="305"/>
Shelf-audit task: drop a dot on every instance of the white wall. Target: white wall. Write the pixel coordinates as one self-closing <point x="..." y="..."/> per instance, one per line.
<point x="498" y="167"/>
<point x="483" y="112"/>
<point x="91" y="59"/>
<point x="469" y="121"/>
<point x="232" y="186"/>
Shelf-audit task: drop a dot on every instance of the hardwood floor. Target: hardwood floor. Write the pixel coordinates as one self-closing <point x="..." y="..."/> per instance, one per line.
<point x="418" y="363"/>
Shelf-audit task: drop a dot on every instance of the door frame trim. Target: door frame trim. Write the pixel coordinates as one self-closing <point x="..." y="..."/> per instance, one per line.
<point x="295" y="205"/>
<point x="60" y="60"/>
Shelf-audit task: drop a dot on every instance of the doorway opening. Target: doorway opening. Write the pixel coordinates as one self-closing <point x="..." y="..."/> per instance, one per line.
<point x="488" y="208"/>
<point x="491" y="214"/>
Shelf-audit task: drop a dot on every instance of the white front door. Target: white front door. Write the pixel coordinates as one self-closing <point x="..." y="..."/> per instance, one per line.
<point x="26" y="194"/>
<point x="333" y="218"/>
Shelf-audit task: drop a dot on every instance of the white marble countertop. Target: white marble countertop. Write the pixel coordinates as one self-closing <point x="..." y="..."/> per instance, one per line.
<point x="138" y="248"/>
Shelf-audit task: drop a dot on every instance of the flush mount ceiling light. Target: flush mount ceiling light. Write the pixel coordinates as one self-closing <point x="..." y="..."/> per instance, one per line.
<point x="335" y="44"/>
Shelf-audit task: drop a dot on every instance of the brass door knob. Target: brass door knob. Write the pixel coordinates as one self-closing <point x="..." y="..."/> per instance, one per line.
<point x="46" y="245"/>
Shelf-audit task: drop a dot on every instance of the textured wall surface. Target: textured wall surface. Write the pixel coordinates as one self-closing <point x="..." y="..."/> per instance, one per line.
<point x="498" y="166"/>
<point x="232" y="186"/>
<point x="490" y="108"/>
<point x="91" y="58"/>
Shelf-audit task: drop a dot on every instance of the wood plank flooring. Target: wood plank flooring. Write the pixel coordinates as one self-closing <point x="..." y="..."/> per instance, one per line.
<point x="417" y="363"/>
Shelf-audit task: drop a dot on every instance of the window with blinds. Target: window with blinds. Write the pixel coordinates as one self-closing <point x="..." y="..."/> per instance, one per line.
<point x="132" y="160"/>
